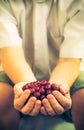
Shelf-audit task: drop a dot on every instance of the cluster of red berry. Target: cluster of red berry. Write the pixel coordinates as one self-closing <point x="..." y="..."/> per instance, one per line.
<point x="40" y="89"/>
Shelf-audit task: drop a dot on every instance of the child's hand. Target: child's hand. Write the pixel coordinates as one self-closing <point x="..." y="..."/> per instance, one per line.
<point x="57" y="102"/>
<point x="22" y="102"/>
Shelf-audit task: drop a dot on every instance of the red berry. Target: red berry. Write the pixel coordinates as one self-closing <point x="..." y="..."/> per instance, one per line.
<point x="36" y="83"/>
<point x="48" y="86"/>
<point x="42" y="97"/>
<point x="36" y="88"/>
<point x="54" y="87"/>
<point x="43" y="82"/>
<point x="29" y="85"/>
<point x="48" y="92"/>
<point x="42" y="90"/>
<point x="37" y="95"/>
<point x="32" y="91"/>
<point x="25" y="87"/>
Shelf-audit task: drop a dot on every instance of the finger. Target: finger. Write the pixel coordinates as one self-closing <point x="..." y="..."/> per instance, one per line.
<point x="43" y="111"/>
<point x="29" y="106"/>
<point x="48" y="107"/>
<point x="64" y="101"/>
<point x="19" y="102"/>
<point x="36" y="108"/>
<point x="55" y="104"/>
<point x="67" y="95"/>
<point x="64" y="88"/>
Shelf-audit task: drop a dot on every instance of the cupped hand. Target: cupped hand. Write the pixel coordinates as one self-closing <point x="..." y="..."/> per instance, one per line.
<point x="58" y="102"/>
<point x="23" y="102"/>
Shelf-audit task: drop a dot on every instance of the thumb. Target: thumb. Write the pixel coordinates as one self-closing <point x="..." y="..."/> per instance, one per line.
<point x="64" y="88"/>
<point x="67" y="95"/>
<point x="18" y="89"/>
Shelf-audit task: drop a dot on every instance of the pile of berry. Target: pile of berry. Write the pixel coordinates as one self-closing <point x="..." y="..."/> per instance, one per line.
<point x="40" y="89"/>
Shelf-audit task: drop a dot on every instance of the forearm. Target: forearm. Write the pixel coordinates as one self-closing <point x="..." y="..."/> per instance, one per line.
<point x="67" y="70"/>
<point x="15" y="65"/>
